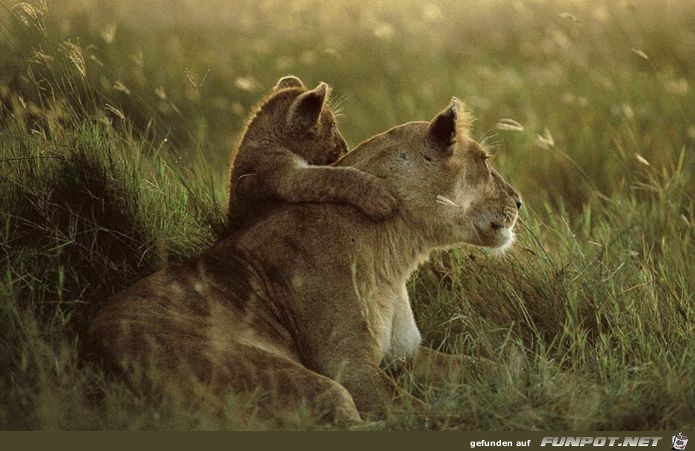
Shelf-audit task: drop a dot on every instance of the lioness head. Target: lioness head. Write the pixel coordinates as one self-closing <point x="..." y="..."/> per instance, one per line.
<point x="445" y="180"/>
<point x="304" y="121"/>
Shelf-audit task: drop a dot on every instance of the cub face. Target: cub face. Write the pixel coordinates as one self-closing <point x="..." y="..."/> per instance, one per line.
<point x="310" y="123"/>
<point x="445" y="180"/>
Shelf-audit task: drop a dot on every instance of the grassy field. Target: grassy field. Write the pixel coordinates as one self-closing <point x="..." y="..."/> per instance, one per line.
<point x="116" y="122"/>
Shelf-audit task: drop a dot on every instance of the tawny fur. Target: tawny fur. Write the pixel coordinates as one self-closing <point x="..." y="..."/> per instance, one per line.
<point x="284" y="153"/>
<point x="307" y="304"/>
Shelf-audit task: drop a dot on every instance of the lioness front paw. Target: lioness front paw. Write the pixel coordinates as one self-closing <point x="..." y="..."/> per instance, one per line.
<point x="380" y="201"/>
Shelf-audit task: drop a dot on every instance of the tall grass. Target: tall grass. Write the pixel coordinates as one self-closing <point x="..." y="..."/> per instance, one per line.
<point x="116" y="124"/>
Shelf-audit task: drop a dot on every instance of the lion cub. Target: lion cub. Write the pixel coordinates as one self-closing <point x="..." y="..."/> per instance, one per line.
<point x="284" y="153"/>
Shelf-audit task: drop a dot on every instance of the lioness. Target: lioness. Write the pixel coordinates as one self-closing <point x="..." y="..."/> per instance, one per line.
<point x="304" y="306"/>
<point x="283" y="155"/>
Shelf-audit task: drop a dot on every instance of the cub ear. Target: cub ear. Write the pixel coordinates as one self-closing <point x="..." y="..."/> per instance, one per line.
<point x="306" y="108"/>
<point x="288" y="81"/>
<point x="443" y="128"/>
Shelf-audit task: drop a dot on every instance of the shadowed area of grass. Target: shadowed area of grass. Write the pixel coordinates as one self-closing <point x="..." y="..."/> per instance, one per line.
<point x="116" y="122"/>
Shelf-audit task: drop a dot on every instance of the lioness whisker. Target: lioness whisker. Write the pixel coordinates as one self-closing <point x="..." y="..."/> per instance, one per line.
<point x="443" y="200"/>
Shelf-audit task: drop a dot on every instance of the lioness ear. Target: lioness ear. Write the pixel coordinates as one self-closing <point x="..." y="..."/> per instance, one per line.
<point x="443" y="128"/>
<point x="306" y="108"/>
<point x="288" y="81"/>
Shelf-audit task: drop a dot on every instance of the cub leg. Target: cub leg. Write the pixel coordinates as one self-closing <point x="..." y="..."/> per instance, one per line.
<point x="290" y="178"/>
<point x="372" y="195"/>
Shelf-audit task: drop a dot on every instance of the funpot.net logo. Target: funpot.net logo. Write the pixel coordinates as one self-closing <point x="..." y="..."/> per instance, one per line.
<point x="679" y="441"/>
<point x="600" y="441"/>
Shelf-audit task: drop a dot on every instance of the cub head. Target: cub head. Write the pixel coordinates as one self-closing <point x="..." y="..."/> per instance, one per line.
<point x="448" y="188"/>
<point x="304" y="121"/>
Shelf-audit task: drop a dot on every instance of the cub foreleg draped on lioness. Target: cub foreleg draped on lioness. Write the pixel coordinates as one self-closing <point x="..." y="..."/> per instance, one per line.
<point x="285" y="153"/>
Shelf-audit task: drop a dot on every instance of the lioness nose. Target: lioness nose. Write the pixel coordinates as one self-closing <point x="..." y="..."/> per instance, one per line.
<point x="518" y="204"/>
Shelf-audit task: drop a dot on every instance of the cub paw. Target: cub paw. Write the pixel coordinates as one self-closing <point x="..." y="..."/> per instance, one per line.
<point x="380" y="201"/>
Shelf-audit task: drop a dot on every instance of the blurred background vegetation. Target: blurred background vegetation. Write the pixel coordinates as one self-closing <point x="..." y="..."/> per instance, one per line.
<point x="116" y="124"/>
<point x="603" y="80"/>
